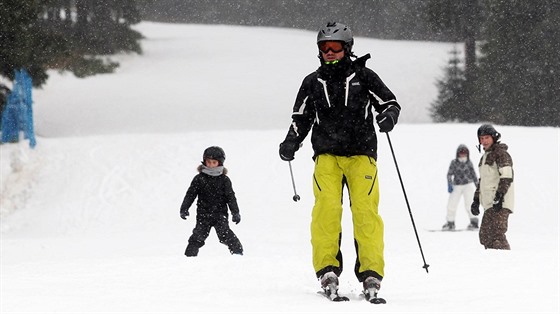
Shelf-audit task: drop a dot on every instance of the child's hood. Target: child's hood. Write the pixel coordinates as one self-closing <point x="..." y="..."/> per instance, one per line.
<point x="462" y="149"/>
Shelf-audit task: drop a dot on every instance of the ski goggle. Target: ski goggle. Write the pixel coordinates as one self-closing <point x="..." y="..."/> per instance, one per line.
<point x="334" y="46"/>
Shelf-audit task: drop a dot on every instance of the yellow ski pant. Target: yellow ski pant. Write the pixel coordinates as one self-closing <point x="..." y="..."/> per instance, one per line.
<point x="360" y="173"/>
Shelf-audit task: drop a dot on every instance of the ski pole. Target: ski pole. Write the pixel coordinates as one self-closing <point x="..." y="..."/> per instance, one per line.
<point x="296" y="196"/>
<point x="407" y="204"/>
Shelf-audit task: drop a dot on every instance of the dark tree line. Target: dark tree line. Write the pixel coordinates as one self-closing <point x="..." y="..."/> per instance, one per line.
<point x="395" y="19"/>
<point x="514" y="78"/>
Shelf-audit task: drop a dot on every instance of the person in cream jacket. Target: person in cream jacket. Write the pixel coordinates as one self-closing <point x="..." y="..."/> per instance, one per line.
<point x="495" y="192"/>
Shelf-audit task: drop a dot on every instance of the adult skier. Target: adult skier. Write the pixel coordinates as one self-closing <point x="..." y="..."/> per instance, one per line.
<point x="337" y="102"/>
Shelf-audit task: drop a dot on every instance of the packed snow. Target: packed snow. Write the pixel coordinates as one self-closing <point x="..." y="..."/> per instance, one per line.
<point x="90" y="217"/>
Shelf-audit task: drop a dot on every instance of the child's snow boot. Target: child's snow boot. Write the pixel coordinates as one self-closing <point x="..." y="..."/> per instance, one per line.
<point x="236" y="252"/>
<point x="191" y="250"/>
<point x="236" y="248"/>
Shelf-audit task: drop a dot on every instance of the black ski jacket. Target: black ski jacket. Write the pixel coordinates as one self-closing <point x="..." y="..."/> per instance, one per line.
<point x="337" y="101"/>
<point x="215" y="194"/>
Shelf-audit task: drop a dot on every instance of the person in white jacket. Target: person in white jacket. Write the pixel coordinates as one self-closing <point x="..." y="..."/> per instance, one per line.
<point x="495" y="191"/>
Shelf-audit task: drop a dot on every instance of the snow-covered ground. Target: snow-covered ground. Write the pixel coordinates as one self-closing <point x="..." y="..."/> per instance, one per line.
<point x="90" y="224"/>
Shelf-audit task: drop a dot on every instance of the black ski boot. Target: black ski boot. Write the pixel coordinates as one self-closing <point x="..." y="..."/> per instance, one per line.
<point x="371" y="288"/>
<point x="329" y="283"/>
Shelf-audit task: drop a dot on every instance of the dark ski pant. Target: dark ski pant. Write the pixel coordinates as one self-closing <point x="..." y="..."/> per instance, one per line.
<point x="493" y="229"/>
<point x="202" y="230"/>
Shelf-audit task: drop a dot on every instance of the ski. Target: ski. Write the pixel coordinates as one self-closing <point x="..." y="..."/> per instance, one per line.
<point x="335" y="297"/>
<point x="375" y="299"/>
<point x="371" y="287"/>
<point x="454" y="230"/>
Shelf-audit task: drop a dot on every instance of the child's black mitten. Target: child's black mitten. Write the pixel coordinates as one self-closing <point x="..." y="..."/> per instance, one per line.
<point x="236" y="218"/>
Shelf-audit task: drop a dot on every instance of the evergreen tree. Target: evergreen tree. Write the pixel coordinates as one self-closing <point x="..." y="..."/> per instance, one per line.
<point x="458" y="21"/>
<point x="103" y="26"/>
<point x="516" y="79"/>
<point x="519" y="69"/>
<point x="455" y="97"/>
<point x="67" y="35"/>
<point x="24" y="43"/>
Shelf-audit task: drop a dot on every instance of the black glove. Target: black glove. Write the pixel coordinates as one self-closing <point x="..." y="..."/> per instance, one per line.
<point x="387" y="120"/>
<point x="287" y="150"/>
<point x="475" y="207"/>
<point x="236" y="218"/>
<point x="498" y="201"/>
<point x="184" y="214"/>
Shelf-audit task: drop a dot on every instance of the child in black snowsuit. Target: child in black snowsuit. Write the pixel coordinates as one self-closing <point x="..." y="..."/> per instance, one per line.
<point x="215" y="193"/>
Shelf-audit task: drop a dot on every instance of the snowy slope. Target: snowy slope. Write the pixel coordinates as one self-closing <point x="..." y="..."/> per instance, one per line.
<point x="200" y="77"/>
<point x="91" y="225"/>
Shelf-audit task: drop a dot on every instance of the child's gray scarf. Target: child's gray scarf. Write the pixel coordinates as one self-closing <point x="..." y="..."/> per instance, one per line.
<point x="216" y="171"/>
